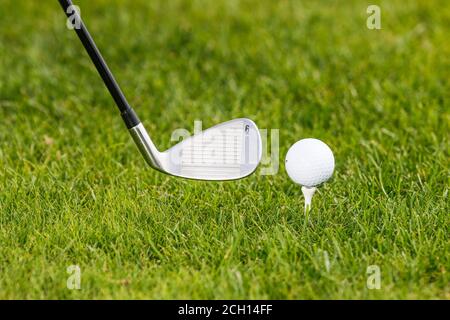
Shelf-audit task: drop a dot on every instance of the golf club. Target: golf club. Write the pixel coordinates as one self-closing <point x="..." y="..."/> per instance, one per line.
<point x="228" y="151"/>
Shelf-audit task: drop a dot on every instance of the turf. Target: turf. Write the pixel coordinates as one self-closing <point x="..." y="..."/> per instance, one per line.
<point x="75" y="191"/>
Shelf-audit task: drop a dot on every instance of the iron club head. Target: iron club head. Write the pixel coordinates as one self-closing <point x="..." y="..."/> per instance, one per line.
<point x="228" y="151"/>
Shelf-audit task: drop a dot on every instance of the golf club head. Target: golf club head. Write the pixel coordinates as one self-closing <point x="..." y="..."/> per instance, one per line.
<point x="228" y="151"/>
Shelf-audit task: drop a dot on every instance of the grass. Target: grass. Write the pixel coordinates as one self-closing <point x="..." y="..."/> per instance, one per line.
<point x="75" y="191"/>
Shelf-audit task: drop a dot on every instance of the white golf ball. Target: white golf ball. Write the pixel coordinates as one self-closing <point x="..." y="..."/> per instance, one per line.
<point x="310" y="162"/>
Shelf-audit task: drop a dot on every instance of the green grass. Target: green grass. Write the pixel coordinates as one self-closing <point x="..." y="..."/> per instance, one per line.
<point x="75" y="191"/>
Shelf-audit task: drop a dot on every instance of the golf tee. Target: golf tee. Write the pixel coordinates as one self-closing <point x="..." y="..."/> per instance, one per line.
<point x="308" y="193"/>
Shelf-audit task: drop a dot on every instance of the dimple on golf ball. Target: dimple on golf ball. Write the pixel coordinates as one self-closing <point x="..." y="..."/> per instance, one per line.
<point x="310" y="162"/>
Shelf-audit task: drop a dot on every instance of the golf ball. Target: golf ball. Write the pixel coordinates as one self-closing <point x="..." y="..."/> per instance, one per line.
<point x="310" y="162"/>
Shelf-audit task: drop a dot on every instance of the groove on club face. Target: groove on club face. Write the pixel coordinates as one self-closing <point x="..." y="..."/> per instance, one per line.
<point x="231" y="150"/>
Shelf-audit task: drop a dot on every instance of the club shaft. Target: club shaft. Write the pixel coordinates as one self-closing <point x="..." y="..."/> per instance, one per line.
<point x="129" y="116"/>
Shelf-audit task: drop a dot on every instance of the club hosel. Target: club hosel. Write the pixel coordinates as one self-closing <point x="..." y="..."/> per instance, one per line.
<point x="146" y="146"/>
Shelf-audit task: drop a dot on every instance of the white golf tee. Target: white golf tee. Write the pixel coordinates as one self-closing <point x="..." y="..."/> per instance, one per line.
<point x="308" y="193"/>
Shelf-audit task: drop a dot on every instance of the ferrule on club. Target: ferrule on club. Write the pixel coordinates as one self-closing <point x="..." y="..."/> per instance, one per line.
<point x="146" y="146"/>
<point x="308" y="193"/>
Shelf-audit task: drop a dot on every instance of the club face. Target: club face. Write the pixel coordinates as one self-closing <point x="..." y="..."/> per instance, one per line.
<point x="229" y="151"/>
